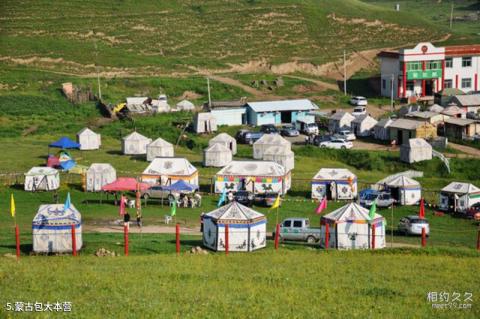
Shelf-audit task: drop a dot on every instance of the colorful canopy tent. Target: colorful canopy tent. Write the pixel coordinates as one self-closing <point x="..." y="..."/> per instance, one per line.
<point x="350" y="227"/>
<point x="247" y="228"/>
<point x="42" y="179"/>
<point x="64" y="143"/>
<point x="168" y="170"/>
<point x="216" y="155"/>
<point x="459" y="197"/>
<point x="255" y="176"/>
<point x="404" y="190"/>
<point x="416" y="150"/>
<point x="335" y="183"/>
<point x="52" y="229"/>
<point x="53" y="161"/>
<point x="135" y="144"/>
<point x="280" y="155"/>
<point x="125" y="184"/>
<point x="181" y="187"/>
<point x="226" y="140"/>
<point x="269" y="140"/>
<point x="99" y="175"/>
<point x="159" y="148"/>
<point x="185" y="105"/>
<point x="66" y="161"/>
<point x="88" y="139"/>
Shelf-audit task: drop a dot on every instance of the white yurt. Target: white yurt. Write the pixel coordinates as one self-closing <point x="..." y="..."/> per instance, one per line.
<point x="168" y="170"/>
<point x="350" y="227"/>
<point x="247" y="229"/>
<point x="267" y="141"/>
<point x="381" y="129"/>
<point x="280" y="155"/>
<point x="159" y="148"/>
<point x="99" y="175"/>
<point x="88" y="139"/>
<point x="416" y="150"/>
<point x="334" y="183"/>
<point x="204" y="122"/>
<point x="459" y="197"/>
<point x="363" y="125"/>
<point x="404" y="190"/>
<point x="216" y="155"/>
<point x="52" y="229"/>
<point x="185" y="105"/>
<point x="135" y="144"/>
<point x="42" y="179"/>
<point x="226" y="140"/>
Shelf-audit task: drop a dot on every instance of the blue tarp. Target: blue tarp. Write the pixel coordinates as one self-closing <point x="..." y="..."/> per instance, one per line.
<point x="65" y="142"/>
<point x="66" y="165"/>
<point x="181" y="186"/>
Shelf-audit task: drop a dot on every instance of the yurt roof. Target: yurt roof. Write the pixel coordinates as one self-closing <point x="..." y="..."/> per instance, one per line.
<point x="278" y="150"/>
<point x="235" y="213"/>
<point x="274" y="139"/>
<point x="349" y="213"/>
<point x="402" y="181"/>
<point x="35" y="171"/>
<point x="136" y="100"/>
<point x="334" y="174"/>
<point x="101" y="167"/>
<point x="56" y="215"/>
<point x="217" y="148"/>
<point x="253" y="168"/>
<point x="222" y="137"/>
<point x="418" y="142"/>
<point x="170" y="166"/>
<point x="86" y="131"/>
<point x="460" y="188"/>
<point x="135" y="136"/>
<point x="339" y="115"/>
<point x="452" y="110"/>
<point x="161" y="143"/>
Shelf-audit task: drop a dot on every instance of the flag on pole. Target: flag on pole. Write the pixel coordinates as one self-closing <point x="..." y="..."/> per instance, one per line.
<point x="276" y="204"/>
<point x="67" y="202"/>
<point x="12" y="206"/>
<point x="122" y="205"/>
<point x="173" y="210"/>
<point x="222" y="198"/>
<point x="373" y="210"/>
<point x="421" y="213"/>
<point x="322" y="206"/>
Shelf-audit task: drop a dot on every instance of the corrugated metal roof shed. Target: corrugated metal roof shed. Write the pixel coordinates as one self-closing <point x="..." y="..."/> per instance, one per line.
<point x="286" y="105"/>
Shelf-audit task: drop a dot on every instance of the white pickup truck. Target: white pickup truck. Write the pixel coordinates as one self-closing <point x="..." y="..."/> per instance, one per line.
<point x="298" y="229"/>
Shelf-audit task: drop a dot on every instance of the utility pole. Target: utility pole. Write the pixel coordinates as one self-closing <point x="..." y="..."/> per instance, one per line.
<point x="96" y="67"/>
<point x="451" y="16"/>
<point x="344" y="73"/>
<point x="391" y="93"/>
<point x="209" y="97"/>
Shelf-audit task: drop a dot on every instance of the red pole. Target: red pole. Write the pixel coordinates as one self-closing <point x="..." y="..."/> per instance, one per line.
<point x="373" y="236"/>
<point x="74" y="241"/>
<point x="327" y="234"/>
<point x="424" y="237"/>
<point x="478" y="240"/>
<point x="177" y="238"/>
<point x="226" y="239"/>
<point x="125" y="238"/>
<point x="277" y="234"/>
<point x="17" y="241"/>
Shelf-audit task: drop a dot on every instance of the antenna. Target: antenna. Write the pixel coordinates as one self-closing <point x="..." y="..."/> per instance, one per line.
<point x="344" y="73"/>
<point x="96" y="67"/>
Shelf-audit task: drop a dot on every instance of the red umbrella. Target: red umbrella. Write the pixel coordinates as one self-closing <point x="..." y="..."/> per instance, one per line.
<point x="125" y="184"/>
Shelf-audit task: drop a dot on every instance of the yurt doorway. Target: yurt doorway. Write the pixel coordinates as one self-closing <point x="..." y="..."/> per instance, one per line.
<point x="396" y="193"/>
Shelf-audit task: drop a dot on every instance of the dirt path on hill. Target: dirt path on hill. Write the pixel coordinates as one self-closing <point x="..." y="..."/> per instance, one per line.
<point x="256" y="93"/>
<point x="320" y="84"/>
<point x="465" y="149"/>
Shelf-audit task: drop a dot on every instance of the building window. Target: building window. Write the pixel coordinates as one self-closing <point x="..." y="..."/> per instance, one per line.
<point x="449" y="63"/>
<point x="384" y="84"/>
<point x="448" y="84"/>
<point x="466" y="83"/>
<point x="433" y="65"/>
<point x="467" y="62"/>
<point x="410" y="86"/>
<point x="414" y="66"/>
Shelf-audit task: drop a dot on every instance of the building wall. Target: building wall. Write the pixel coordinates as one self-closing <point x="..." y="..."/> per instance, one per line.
<point x="388" y="67"/>
<point x="229" y="116"/>
<point x="457" y="73"/>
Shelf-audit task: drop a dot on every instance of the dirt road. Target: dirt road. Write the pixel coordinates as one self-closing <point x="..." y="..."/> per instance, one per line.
<point x="465" y="149"/>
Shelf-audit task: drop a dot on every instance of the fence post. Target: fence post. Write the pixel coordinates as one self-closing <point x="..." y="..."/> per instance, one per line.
<point x="373" y="236"/>
<point x="424" y="237"/>
<point x="478" y="240"/>
<point x="17" y="241"/>
<point x="327" y="235"/>
<point x="226" y="239"/>
<point x="74" y="241"/>
<point x="177" y="238"/>
<point x="125" y="238"/>
<point x="277" y="234"/>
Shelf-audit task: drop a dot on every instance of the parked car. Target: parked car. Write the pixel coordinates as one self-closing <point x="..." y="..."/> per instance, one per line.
<point x="244" y="197"/>
<point x="298" y="229"/>
<point x="359" y="110"/>
<point x="248" y="137"/>
<point x="268" y="129"/>
<point x="337" y="144"/>
<point x="473" y="116"/>
<point x="321" y="138"/>
<point x="346" y="135"/>
<point x="413" y="225"/>
<point x="158" y="192"/>
<point x="266" y="199"/>
<point x="289" y="130"/>
<point x="474" y="212"/>
<point x="307" y="128"/>
<point x="358" y="101"/>
<point x="383" y="199"/>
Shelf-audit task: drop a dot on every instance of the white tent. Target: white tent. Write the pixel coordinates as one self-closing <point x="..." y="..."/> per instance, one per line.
<point x="88" y="139"/>
<point x="404" y="190"/>
<point x="135" y="144"/>
<point x="42" y="179"/>
<point x="416" y="150"/>
<point x="255" y="176"/>
<point x="161" y="106"/>
<point x="459" y="197"/>
<point x="52" y="229"/>
<point x="216" y="155"/>
<point x="335" y="183"/>
<point x="168" y="170"/>
<point x="159" y="148"/>
<point x="99" y="175"/>
<point x="185" y="105"/>
<point x="350" y="227"/>
<point x="226" y="140"/>
<point x="267" y="141"/>
<point x="280" y="155"/>
<point x="381" y="129"/>
<point x="204" y="122"/>
<point x="247" y="228"/>
<point x="363" y="125"/>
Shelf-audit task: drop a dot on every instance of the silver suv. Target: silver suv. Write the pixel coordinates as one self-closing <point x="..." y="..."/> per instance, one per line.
<point x="412" y="225"/>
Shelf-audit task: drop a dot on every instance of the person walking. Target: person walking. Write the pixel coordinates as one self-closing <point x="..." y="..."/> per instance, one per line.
<point x="126" y="219"/>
